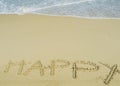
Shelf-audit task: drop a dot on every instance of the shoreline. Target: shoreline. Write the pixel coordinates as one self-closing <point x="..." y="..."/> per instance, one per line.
<point x="67" y="16"/>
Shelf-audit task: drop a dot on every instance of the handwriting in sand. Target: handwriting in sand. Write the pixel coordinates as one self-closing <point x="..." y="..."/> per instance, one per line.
<point x="55" y="64"/>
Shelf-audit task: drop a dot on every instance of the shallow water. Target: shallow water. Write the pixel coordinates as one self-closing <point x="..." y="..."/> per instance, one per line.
<point x="79" y="8"/>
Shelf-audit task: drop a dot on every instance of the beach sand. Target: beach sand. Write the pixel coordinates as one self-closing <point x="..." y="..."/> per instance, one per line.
<point x="33" y="38"/>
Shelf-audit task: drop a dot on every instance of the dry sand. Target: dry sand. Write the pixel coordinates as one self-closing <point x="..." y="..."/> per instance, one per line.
<point x="35" y="38"/>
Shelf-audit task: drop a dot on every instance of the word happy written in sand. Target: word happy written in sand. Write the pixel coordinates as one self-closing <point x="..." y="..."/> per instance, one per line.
<point x="74" y="66"/>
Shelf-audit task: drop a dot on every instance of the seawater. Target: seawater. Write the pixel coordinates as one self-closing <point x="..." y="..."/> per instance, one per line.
<point x="78" y="8"/>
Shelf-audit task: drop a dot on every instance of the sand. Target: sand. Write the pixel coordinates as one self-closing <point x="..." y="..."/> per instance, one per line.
<point x="33" y="38"/>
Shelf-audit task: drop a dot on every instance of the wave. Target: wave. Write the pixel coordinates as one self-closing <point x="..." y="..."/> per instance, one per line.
<point x="19" y="7"/>
<point x="78" y="8"/>
<point x="59" y="5"/>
